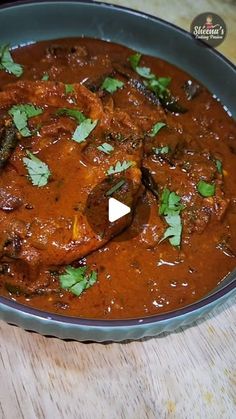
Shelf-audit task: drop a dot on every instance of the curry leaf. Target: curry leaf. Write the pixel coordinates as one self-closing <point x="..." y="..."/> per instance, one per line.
<point x="111" y="85"/>
<point x="76" y="280"/>
<point x="38" y="171"/>
<point x="83" y="130"/>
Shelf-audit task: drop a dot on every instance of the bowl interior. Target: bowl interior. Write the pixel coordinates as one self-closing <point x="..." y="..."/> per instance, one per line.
<point x="24" y="23"/>
<point x="36" y="21"/>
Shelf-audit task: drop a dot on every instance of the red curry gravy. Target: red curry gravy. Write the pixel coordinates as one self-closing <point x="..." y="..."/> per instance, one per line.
<point x="137" y="273"/>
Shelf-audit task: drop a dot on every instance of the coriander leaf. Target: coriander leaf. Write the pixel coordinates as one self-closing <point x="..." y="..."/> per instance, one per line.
<point x="76" y="280"/>
<point x="20" y="121"/>
<point x="158" y="88"/>
<point x="162" y="150"/>
<point x="105" y="148"/>
<point x="174" y="204"/>
<point x="45" y="77"/>
<point x="156" y="128"/>
<point x="73" y="113"/>
<point x="30" y="110"/>
<point x="158" y="85"/>
<point x="174" y="231"/>
<point x="69" y="88"/>
<point x="20" y="115"/>
<point x="7" y="63"/>
<point x="164" y="201"/>
<point x="83" y="130"/>
<point x="91" y="279"/>
<point x="38" y="171"/>
<point x="145" y="72"/>
<point x="164" y="81"/>
<point x="71" y="276"/>
<point x="78" y="287"/>
<point x="119" y="167"/>
<point x="115" y="187"/>
<point x="171" y="207"/>
<point x="170" y="203"/>
<point x="111" y="85"/>
<point x="206" y="189"/>
<point x="135" y="59"/>
<point x="219" y="166"/>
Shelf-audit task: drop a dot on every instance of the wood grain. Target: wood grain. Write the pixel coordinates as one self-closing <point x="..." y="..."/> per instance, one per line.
<point x="190" y="374"/>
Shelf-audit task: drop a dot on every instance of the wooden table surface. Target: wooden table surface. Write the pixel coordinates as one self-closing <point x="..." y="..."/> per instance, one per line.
<point x="190" y="374"/>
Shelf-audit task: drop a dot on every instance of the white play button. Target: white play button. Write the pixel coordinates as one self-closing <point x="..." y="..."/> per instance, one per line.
<point x="116" y="210"/>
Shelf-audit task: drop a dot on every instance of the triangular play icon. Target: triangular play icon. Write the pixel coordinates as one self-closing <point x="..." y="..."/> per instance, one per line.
<point x="116" y="210"/>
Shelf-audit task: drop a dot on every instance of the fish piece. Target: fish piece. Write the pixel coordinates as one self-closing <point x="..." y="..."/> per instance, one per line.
<point x="53" y="229"/>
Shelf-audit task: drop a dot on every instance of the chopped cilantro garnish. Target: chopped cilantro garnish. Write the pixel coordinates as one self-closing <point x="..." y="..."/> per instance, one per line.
<point x="145" y="72"/>
<point x="119" y="167"/>
<point x="162" y="150"/>
<point x="105" y="148"/>
<point x="170" y="203"/>
<point x="135" y="59"/>
<point x="156" y="128"/>
<point x="69" y="88"/>
<point x="111" y="85"/>
<point x="115" y="188"/>
<point x="38" y="171"/>
<point x="7" y="63"/>
<point x="76" y="280"/>
<point x="164" y="81"/>
<point x="83" y="130"/>
<point x="219" y="166"/>
<point x="206" y="189"/>
<point x="45" y="77"/>
<point x="73" y="113"/>
<point x="29" y="109"/>
<point x="171" y="207"/>
<point x="159" y="85"/>
<point x="174" y="231"/>
<point x="20" y="115"/>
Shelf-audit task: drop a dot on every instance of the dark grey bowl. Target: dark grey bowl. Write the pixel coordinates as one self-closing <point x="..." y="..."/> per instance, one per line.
<point x="25" y="22"/>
